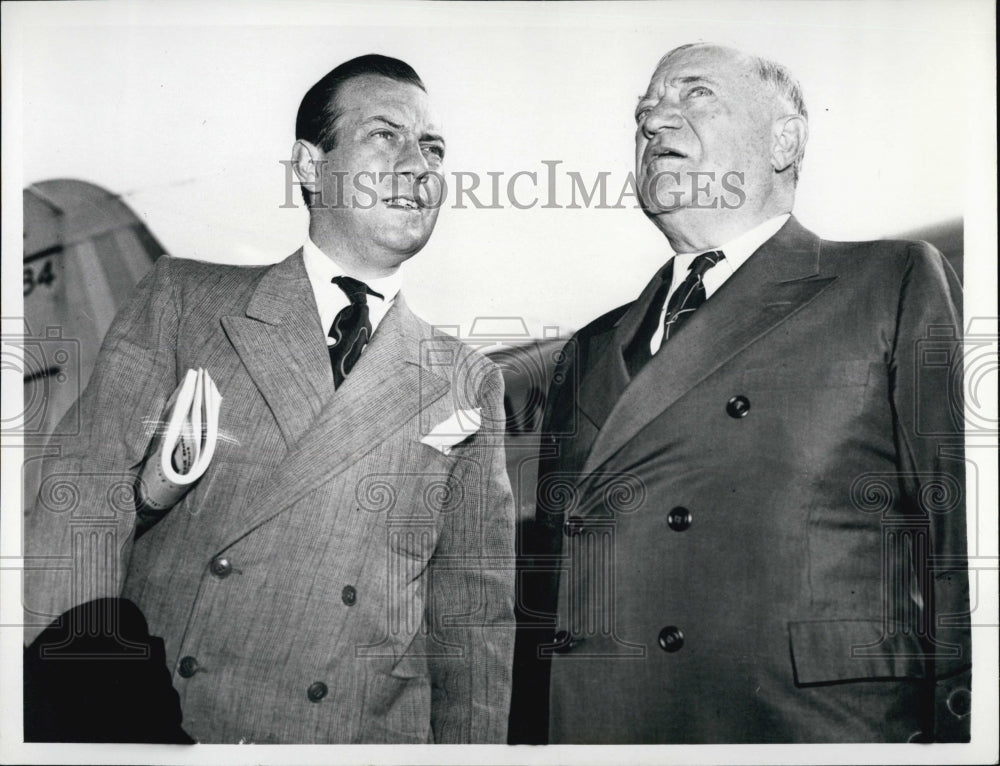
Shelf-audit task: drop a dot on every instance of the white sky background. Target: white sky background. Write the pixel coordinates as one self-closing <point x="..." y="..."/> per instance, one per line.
<point x="188" y="109"/>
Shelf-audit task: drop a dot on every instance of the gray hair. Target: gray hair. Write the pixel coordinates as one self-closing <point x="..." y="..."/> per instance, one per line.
<point x="779" y="82"/>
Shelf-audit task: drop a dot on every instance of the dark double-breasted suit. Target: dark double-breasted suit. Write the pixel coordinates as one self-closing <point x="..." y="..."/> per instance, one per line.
<point x="761" y="536"/>
<point x="331" y="577"/>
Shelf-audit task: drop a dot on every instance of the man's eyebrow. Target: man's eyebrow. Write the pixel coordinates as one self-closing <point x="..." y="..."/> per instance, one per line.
<point x="683" y="80"/>
<point x="686" y="79"/>
<point x="383" y="119"/>
<point x="426" y="136"/>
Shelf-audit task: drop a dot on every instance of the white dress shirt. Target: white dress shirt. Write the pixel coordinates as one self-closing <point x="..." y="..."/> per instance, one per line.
<point x="330" y="299"/>
<point x="737" y="251"/>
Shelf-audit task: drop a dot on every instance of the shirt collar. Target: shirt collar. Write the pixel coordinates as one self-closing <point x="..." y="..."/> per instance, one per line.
<point x="746" y="244"/>
<point x="321" y="269"/>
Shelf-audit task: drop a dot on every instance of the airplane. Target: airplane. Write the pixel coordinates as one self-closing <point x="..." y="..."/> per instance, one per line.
<point x="84" y="252"/>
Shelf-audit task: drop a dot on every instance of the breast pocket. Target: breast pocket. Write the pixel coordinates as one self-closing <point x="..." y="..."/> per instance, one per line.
<point x="406" y="495"/>
<point x="809" y="410"/>
<point x="790" y="377"/>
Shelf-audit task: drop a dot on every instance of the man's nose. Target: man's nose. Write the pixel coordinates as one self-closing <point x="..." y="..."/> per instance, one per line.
<point x="410" y="160"/>
<point x="666" y="114"/>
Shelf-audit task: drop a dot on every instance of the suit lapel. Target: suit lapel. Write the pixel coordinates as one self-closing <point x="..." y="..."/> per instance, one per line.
<point x="386" y="388"/>
<point x="605" y="381"/>
<point x="773" y="284"/>
<point x="283" y="347"/>
<point x="607" y="377"/>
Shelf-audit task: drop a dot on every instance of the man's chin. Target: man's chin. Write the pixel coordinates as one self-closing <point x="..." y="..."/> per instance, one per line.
<point x="656" y="210"/>
<point x="401" y="247"/>
<point x="407" y="232"/>
<point x="663" y="198"/>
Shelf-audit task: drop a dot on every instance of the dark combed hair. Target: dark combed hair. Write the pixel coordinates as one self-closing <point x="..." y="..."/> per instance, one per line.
<point x="318" y="111"/>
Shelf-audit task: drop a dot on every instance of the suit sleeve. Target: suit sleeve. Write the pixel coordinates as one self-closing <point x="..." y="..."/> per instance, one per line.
<point x="471" y="600"/>
<point x="78" y="534"/>
<point x="926" y="373"/>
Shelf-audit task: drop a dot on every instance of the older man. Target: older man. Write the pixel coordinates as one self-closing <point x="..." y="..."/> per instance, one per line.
<point x="335" y="575"/>
<point x="751" y="485"/>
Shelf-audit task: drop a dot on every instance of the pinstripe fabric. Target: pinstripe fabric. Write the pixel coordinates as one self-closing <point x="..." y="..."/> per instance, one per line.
<point x="360" y="558"/>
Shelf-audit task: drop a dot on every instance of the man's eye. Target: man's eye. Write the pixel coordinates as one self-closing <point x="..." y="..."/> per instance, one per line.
<point x="641" y="114"/>
<point x="434" y="150"/>
<point x="700" y="90"/>
<point x="382" y="133"/>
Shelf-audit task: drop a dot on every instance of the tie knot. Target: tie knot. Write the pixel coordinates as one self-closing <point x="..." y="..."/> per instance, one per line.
<point x="705" y="261"/>
<point x="355" y="290"/>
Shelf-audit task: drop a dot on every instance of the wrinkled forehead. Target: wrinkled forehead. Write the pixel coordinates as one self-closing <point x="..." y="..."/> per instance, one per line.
<point x="362" y="97"/>
<point x="709" y="62"/>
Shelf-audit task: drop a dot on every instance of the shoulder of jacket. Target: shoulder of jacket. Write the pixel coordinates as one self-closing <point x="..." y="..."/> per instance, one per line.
<point x="901" y="250"/>
<point x="189" y="268"/>
<point x="884" y="256"/>
<point x="602" y="323"/>
<point x="189" y="277"/>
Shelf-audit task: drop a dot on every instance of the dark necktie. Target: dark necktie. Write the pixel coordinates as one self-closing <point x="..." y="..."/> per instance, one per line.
<point x="688" y="296"/>
<point x="351" y="329"/>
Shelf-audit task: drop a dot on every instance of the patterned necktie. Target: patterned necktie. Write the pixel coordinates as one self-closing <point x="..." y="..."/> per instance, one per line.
<point x="351" y="328"/>
<point x="685" y="299"/>
<point x="690" y="294"/>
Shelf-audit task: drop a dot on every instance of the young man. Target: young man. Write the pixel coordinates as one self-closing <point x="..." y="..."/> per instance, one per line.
<point x="332" y="577"/>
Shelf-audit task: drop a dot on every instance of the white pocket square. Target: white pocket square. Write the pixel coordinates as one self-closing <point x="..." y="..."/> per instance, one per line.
<point x="456" y="429"/>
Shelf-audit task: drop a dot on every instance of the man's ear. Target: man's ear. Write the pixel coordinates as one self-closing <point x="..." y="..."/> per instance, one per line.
<point x="306" y="162"/>
<point x="790" y="135"/>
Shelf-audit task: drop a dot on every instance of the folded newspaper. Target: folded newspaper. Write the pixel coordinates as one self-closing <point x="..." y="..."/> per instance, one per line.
<point x="182" y="447"/>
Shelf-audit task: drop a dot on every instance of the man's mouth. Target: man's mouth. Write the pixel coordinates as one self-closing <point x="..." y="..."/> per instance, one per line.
<point x="402" y="203"/>
<point x="667" y="152"/>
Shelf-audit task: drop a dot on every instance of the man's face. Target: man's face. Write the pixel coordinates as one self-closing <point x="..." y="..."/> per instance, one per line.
<point x="705" y="113"/>
<point x="377" y="196"/>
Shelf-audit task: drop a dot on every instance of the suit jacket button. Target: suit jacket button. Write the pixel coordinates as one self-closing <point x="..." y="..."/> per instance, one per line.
<point x="960" y="703"/>
<point x="679" y="519"/>
<point x="316" y="691"/>
<point x="738" y="407"/>
<point x="188" y="667"/>
<point x="671" y="639"/>
<point x="563" y="642"/>
<point x="221" y="567"/>
<point x="349" y="595"/>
